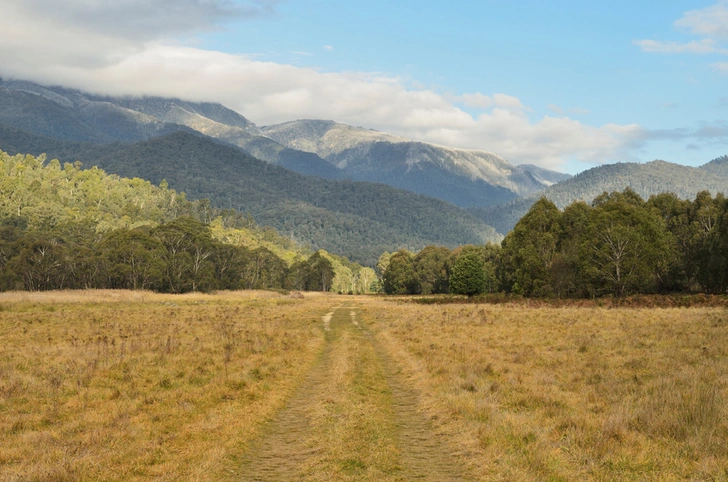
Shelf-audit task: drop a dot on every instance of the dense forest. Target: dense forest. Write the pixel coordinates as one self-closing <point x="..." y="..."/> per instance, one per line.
<point x="617" y="246"/>
<point x="62" y="227"/>
<point x="357" y="220"/>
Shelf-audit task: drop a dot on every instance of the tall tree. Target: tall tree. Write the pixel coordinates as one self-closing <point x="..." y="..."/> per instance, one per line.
<point x="431" y="270"/>
<point x="628" y="247"/>
<point x="467" y="276"/>
<point x="400" y="278"/>
<point x="529" y="250"/>
<point x="133" y="260"/>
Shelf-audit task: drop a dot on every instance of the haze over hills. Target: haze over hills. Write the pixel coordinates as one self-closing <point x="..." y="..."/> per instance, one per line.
<point x="463" y="177"/>
<point x="645" y="179"/>
<point x="72" y="115"/>
<point x="359" y="220"/>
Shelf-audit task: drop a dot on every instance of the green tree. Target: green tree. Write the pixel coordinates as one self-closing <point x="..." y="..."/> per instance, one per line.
<point x="399" y="277"/>
<point x="40" y="265"/>
<point x="263" y="270"/>
<point x="467" y="276"/>
<point x="320" y="274"/>
<point x="133" y="260"/>
<point x="529" y="250"/>
<point x="189" y="248"/>
<point x="229" y="261"/>
<point x="431" y="270"/>
<point x="627" y="246"/>
<point x="566" y="272"/>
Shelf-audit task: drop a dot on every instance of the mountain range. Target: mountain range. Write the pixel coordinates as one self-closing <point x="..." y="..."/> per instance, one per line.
<point x="463" y="177"/>
<point x="321" y="148"/>
<point x="219" y="152"/>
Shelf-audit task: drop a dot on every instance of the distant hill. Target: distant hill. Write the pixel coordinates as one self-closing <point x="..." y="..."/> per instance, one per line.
<point x="321" y="148"/>
<point x="646" y="179"/>
<point x="718" y="166"/>
<point x="460" y="176"/>
<point x="43" y="196"/>
<point x="71" y="115"/>
<point x="359" y="220"/>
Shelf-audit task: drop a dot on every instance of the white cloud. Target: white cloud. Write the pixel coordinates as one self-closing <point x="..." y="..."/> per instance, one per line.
<point x="477" y="100"/>
<point x="578" y="111"/>
<point x="137" y="20"/>
<point x="507" y="102"/>
<point x="484" y="102"/>
<point x="720" y="67"/>
<point x="555" y="109"/>
<point x="330" y="48"/>
<point x="709" y="22"/>
<point x="120" y="62"/>
<point x="705" y="46"/>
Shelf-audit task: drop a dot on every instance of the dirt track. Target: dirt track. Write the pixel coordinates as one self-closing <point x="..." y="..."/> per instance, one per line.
<point x="352" y="418"/>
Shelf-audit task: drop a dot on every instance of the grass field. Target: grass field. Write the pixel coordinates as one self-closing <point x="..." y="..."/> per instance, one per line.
<point x="111" y="385"/>
<point x="570" y="393"/>
<point x="135" y="386"/>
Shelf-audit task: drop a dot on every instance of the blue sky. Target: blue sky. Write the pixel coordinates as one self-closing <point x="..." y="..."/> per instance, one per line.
<point x="562" y="84"/>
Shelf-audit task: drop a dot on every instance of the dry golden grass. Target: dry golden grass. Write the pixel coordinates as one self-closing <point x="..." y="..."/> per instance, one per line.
<point x="110" y="385"/>
<point x="115" y="385"/>
<point x="569" y="393"/>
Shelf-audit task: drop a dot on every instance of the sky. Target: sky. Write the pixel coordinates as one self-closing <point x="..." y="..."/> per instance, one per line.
<point x="565" y="85"/>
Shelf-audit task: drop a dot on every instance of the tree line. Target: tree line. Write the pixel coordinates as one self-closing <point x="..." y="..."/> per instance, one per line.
<point x="618" y="245"/>
<point x="174" y="257"/>
<point x="63" y="227"/>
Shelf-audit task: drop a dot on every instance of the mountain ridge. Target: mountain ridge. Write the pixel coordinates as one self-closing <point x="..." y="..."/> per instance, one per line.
<point x="460" y="176"/>
<point x="357" y="219"/>
<point x="645" y="179"/>
<point x="474" y="177"/>
<point x="105" y="119"/>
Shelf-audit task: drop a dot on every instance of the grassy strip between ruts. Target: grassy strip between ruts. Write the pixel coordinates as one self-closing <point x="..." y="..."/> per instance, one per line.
<point x="569" y="393"/>
<point x="106" y="385"/>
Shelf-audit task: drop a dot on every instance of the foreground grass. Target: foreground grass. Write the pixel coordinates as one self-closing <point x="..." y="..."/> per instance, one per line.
<point x="131" y="386"/>
<point x="106" y="385"/>
<point x="570" y="393"/>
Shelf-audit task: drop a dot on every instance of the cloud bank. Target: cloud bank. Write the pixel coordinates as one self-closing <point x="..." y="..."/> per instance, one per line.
<point x="133" y="47"/>
<point x="710" y="22"/>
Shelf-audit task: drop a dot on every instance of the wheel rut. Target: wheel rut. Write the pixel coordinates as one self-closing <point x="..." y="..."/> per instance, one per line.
<point x="352" y="418"/>
<point x="283" y="451"/>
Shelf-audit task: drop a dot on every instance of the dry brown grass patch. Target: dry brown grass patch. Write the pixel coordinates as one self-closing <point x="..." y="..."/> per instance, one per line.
<point x="571" y="393"/>
<point x="107" y="385"/>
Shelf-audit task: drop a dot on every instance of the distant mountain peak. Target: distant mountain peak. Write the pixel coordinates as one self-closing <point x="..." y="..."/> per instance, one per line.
<point x="467" y="177"/>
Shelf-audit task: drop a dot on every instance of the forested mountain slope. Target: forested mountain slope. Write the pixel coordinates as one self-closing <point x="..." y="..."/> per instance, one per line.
<point x="41" y="194"/>
<point x="463" y="177"/>
<point x="63" y="227"/>
<point x="718" y="166"/>
<point x="358" y="220"/>
<point x="645" y="179"/>
<point x="72" y="115"/>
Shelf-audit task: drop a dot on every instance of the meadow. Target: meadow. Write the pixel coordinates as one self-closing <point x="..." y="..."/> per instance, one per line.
<point x="570" y="393"/>
<point x="115" y="385"/>
<point x="122" y="385"/>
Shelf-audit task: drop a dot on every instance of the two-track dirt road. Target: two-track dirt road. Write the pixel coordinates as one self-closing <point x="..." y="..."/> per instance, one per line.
<point x="352" y="418"/>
